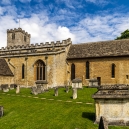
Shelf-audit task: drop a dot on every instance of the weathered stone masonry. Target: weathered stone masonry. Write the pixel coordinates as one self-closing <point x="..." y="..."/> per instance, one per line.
<point x="52" y="54"/>
<point x="107" y="61"/>
<point x="101" y="56"/>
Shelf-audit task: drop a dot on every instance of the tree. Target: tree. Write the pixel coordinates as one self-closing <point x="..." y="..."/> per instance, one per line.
<point x="124" y="35"/>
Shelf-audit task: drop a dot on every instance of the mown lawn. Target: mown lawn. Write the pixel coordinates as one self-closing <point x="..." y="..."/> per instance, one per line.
<point x="45" y="111"/>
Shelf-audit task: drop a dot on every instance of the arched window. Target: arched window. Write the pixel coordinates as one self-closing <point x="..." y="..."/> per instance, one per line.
<point x="87" y="70"/>
<point x="72" y="71"/>
<point x="40" y="70"/>
<point x="13" y="35"/>
<point x="23" y="71"/>
<point x="113" y="70"/>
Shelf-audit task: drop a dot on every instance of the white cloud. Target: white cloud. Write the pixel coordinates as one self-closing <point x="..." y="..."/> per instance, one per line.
<point x="45" y="29"/>
<point x="98" y="2"/>
<point x="38" y="26"/>
<point x="45" y="32"/>
<point x="98" y="28"/>
<point x="1" y="11"/>
<point x="6" y="2"/>
<point x="8" y="10"/>
<point x="24" y="1"/>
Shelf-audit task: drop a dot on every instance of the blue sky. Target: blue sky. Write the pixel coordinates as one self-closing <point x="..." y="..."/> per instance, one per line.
<point x="52" y="20"/>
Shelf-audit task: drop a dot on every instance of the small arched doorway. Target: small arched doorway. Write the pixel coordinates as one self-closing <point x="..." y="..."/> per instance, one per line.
<point x="39" y="70"/>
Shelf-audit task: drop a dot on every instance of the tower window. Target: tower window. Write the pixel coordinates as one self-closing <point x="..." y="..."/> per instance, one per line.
<point x="23" y="71"/>
<point x="25" y="38"/>
<point x="87" y="70"/>
<point x="13" y="35"/>
<point x="72" y="71"/>
<point x="113" y="70"/>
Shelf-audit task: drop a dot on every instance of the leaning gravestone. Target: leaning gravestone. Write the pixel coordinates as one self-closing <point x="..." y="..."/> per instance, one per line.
<point x="5" y="87"/>
<point x="1" y="111"/>
<point x="67" y="89"/>
<point x="76" y="84"/>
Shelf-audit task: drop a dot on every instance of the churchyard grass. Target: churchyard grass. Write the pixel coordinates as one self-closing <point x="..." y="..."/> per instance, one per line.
<point x="46" y="111"/>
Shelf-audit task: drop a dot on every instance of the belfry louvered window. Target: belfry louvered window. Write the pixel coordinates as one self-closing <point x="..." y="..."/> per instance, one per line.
<point x="72" y="71"/>
<point x="113" y="71"/>
<point x="87" y="70"/>
<point x="13" y="35"/>
<point x="25" y="38"/>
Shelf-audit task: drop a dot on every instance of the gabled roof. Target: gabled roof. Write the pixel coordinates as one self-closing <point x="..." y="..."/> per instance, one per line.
<point x="99" y="49"/>
<point x="4" y="68"/>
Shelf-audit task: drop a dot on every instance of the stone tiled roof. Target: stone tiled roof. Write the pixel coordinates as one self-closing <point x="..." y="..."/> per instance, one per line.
<point x="4" y="68"/>
<point x="99" y="49"/>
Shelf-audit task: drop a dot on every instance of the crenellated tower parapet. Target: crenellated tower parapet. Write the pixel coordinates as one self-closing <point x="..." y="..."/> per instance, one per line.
<point x="17" y="37"/>
<point x="35" y="49"/>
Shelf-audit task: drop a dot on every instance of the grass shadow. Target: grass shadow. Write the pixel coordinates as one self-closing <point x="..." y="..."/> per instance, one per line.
<point x="89" y="115"/>
<point x="71" y="97"/>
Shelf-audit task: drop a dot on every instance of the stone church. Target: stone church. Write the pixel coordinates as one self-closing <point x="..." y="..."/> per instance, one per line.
<point x="57" y="63"/>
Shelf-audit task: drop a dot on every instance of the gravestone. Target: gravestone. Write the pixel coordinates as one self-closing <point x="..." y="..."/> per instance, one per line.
<point x="0" y="87"/>
<point x="76" y="84"/>
<point x="74" y="93"/>
<point x="43" y="83"/>
<point x="4" y="87"/>
<point x="112" y="102"/>
<point x="39" y="88"/>
<point x="1" y="111"/>
<point x="67" y="89"/>
<point x="34" y="90"/>
<point x="56" y="91"/>
<point x="13" y="86"/>
<point x="93" y="83"/>
<point x="17" y="89"/>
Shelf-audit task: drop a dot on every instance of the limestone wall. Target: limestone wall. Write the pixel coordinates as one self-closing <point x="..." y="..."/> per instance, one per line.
<point x="115" y="111"/>
<point x="53" y="55"/>
<point x="101" y="67"/>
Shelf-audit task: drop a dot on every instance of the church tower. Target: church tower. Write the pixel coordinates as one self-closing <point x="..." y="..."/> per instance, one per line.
<point x="17" y="37"/>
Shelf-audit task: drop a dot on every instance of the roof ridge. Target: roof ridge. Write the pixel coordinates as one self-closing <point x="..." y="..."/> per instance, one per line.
<point x="101" y="42"/>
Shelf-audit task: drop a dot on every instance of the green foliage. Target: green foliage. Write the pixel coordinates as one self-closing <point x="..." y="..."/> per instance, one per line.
<point x="124" y="35"/>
